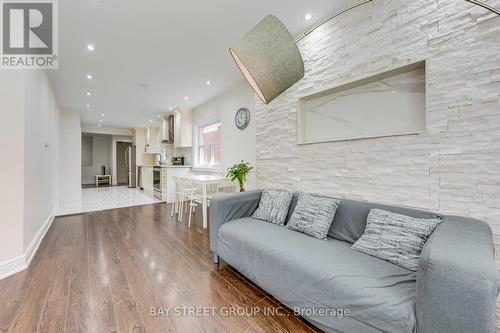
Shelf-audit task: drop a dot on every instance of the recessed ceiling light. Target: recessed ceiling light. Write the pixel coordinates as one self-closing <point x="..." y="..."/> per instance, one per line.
<point x="170" y="108"/>
<point x="307" y="17"/>
<point x="99" y="124"/>
<point x="100" y="120"/>
<point x="186" y="98"/>
<point x="88" y="94"/>
<point x="87" y="106"/>
<point x="89" y="76"/>
<point x="208" y="83"/>
<point x="102" y="115"/>
<point x="158" y="116"/>
<point x="90" y="47"/>
<point x="150" y="121"/>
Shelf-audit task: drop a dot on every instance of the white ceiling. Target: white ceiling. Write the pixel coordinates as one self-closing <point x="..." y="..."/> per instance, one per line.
<point x="172" y="46"/>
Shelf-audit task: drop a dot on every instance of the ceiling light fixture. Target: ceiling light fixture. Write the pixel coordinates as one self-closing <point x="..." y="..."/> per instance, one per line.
<point x="186" y="98"/>
<point x="90" y="77"/>
<point x="485" y="6"/>
<point x="208" y="83"/>
<point x="102" y="115"/>
<point x="88" y="94"/>
<point x="170" y="108"/>
<point x="87" y="106"/>
<point x="99" y="124"/>
<point x="90" y="47"/>
<point x="150" y="121"/>
<point x="307" y="17"/>
<point x="269" y="59"/>
<point x="100" y="120"/>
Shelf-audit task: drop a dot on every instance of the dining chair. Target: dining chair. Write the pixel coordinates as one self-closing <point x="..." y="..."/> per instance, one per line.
<point x="184" y="188"/>
<point x="178" y="194"/>
<point x="196" y="198"/>
<point x="226" y="185"/>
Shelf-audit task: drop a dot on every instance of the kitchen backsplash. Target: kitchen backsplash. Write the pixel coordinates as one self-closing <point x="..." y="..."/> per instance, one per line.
<point x="169" y="152"/>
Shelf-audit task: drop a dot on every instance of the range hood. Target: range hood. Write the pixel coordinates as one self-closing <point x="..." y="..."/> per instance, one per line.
<point x="167" y="130"/>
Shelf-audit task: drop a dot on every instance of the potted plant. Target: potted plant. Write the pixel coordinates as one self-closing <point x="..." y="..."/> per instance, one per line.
<point x="239" y="172"/>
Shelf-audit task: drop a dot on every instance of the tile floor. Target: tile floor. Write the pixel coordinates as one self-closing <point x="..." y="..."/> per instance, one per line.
<point x="102" y="198"/>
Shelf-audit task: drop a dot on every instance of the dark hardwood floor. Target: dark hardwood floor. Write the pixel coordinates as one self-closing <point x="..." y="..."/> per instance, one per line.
<point x="121" y="271"/>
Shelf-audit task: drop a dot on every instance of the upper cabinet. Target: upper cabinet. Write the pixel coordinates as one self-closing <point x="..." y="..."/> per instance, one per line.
<point x="152" y="139"/>
<point x="183" y="128"/>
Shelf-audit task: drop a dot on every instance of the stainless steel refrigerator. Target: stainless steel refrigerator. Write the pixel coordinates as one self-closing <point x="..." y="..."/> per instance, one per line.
<point x="131" y="165"/>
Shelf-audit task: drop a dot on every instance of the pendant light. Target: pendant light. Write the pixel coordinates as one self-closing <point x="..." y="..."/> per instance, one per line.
<point x="269" y="59"/>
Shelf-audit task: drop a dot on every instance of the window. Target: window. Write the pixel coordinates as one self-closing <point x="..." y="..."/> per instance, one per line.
<point x="209" y="146"/>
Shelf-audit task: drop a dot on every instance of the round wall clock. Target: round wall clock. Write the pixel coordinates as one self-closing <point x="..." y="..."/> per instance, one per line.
<point x="242" y="118"/>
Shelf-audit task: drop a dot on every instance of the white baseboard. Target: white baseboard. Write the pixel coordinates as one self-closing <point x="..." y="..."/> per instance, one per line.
<point x="11" y="267"/>
<point x="35" y="243"/>
<point x="18" y="264"/>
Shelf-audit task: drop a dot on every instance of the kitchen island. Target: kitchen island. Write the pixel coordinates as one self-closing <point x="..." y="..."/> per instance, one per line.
<point x="166" y="182"/>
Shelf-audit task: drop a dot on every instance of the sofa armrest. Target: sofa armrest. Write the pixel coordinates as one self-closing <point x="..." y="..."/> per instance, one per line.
<point x="229" y="207"/>
<point x="457" y="282"/>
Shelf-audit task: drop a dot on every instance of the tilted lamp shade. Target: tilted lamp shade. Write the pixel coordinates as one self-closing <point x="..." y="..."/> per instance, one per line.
<point x="269" y="58"/>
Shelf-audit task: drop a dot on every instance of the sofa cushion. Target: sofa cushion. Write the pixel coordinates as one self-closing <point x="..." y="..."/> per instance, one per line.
<point x="273" y="206"/>
<point x="304" y="272"/>
<point x="350" y="218"/>
<point x="313" y="215"/>
<point x="395" y="237"/>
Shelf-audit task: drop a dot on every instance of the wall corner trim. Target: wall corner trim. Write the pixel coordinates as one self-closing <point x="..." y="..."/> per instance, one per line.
<point x="19" y="264"/>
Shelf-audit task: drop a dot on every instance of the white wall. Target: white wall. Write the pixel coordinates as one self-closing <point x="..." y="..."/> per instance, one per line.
<point x="41" y="167"/>
<point x="139" y="140"/>
<point x="12" y="106"/>
<point x="236" y="144"/>
<point x="101" y="156"/>
<point x="107" y="130"/>
<point x="70" y="156"/>
<point x="29" y="134"/>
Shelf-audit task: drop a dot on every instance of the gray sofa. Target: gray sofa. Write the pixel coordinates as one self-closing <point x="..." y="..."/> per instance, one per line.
<point x="454" y="289"/>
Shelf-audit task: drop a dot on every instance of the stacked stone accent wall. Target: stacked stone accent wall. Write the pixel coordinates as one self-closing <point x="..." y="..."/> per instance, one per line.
<point x="454" y="166"/>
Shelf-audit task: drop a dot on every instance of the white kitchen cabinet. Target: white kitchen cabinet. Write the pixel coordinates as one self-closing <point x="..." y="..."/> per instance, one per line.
<point x="147" y="179"/>
<point x="183" y="129"/>
<point x="152" y="139"/>
<point x="167" y="181"/>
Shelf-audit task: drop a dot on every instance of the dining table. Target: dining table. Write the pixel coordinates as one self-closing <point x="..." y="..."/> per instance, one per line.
<point x="204" y="181"/>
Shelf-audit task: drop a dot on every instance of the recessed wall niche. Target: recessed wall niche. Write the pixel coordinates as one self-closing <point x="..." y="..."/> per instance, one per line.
<point x="385" y="104"/>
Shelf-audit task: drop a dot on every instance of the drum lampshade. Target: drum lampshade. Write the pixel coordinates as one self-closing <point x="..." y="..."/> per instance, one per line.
<point x="269" y="59"/>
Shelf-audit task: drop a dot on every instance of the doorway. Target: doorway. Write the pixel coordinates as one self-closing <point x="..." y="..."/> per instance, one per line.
<point x="121" y="166"/>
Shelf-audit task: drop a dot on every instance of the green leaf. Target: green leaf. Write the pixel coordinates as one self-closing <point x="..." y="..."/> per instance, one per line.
<point x="239" y="172"/>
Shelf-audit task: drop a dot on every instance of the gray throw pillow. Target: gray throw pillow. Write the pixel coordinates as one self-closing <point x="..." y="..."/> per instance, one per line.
<point x="396" y="238"/>
<point x="313" y="215"/>
<point x="273" y="206"/>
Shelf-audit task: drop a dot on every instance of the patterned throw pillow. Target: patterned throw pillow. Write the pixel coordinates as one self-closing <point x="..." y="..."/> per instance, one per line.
<point x="273" y="206"/>
<point x="313" y="215"/>
<point x="396" y="238"/>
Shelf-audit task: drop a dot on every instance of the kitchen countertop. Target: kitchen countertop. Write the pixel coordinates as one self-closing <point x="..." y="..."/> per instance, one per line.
<point x="165" y="166"/>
